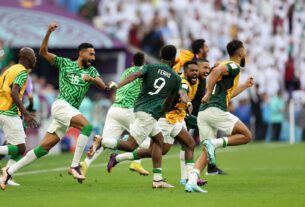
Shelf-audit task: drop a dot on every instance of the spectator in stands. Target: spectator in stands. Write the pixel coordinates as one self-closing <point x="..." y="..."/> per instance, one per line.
<point x="265" y="115"/>
<point x="6" y="56"/>
<point x="301" y="121"/>
<point x="256" y="108"/>
<point x="277" y="109"/>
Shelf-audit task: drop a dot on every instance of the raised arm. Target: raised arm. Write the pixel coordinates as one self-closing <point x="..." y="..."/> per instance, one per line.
<point x="213" y="77"/>
<point x="249" y="83"/>
<point x="50" y="57"/>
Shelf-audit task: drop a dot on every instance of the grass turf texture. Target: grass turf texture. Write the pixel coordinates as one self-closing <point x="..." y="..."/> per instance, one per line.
<point x="259" y="175"/>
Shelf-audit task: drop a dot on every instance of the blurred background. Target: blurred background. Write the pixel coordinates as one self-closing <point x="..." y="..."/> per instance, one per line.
<point x="273" y="32"/>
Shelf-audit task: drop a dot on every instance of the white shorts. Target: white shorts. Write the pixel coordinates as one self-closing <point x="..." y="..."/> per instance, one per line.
<point x="117" y="121"/>
<point x="143" y="126"/>
<point x="212" y="119"/>
<point x="169" y="131"/>
<point x="62" y="113"/>
<point x="13" y="129"/>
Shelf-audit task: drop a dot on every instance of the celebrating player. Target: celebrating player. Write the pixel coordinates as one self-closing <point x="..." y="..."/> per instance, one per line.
<point x="13" y="83"/>
<point x="160" y="85"/>
<point x="213" y="115"/>
<point x="75" y="78"/>
<point x="120" y="115"/>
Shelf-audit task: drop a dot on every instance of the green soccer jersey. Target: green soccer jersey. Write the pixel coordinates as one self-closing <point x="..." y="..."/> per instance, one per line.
<point x="19" y="80"/>
<point x="159" y="82"/>
<point x="224" y="88"/>
<point x="72" y="87"/>
<point x="126" y="96"/>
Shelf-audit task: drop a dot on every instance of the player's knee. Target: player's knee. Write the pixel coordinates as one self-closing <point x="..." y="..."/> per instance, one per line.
<point x="192" y="144"/>
<point x="21" y="149"/>
<point x="87" y="130"/>
<point x="247" y="136"/>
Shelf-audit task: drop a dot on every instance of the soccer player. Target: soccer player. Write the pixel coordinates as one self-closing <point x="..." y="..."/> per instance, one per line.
<point x="199" y="51"/>
<point x="160" y="86"/>
<point x="13" y="83"/>
<point x="120" y="115"/>
<point x="191" y="119"/>
<point x="28" y="93"/>
<point x="172" y="124"/>
<point x="213" y="114"/>
<point x="75" y="78"/>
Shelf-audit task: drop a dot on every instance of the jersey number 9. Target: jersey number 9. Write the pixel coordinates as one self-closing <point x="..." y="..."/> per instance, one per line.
<point x="158" y="85"/>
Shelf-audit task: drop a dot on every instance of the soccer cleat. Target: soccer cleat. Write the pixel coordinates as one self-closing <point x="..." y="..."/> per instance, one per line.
<point x="5" y="178"/>
<point x="97" y="144"/>
<point x="210" y="149"/>
<point x="194" y="188"/>
<point x="76" y="173"/>
<point x="214" y="170"/>
<point x="83" y="168"/>
<point x="137" y="167"/>
<point x="183" y="182"/>
<point x="161" y="184"/>
<point x="112" y="162"/>
<point x="201" y="182"/>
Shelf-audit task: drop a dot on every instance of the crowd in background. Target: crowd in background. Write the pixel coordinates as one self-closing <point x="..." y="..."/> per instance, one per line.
<point x="273" y="33"/>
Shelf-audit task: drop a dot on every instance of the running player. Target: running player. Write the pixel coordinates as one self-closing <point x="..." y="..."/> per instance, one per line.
<point x="12" y="87"/>
<point x="213" y="115"/>
<point x="120" y="115"/>
<point x="75" y="78"/>
<point x="172" y="124"/>
<point x="160" y="86"/>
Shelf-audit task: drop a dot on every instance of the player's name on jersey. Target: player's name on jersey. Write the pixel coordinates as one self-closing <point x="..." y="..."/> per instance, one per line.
<point x="164" y="73"/>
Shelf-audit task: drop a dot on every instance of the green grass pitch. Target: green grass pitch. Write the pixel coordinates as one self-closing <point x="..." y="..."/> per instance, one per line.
<point x="259" y="175"/>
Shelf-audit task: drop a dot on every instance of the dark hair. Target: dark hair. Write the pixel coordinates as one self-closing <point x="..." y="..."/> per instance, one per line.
<point x="202" y="60"/>
<point x="84" y="45"/>
<point x="197" y="45"/>
<point x="187" y="63"/>
<point x="138" y="59"/>
<point x="234" y="46"/>
<point x="168" y="52"/>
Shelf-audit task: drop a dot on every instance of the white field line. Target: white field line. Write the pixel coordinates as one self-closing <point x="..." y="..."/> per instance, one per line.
<point x="34" y="172"/>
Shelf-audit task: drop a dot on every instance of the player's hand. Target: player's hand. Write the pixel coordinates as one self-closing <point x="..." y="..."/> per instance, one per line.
<point x="112" y="85"/>
<point x="250" y="82"/>
<point x="206" y="98"/>
<point x="87" y="78"/>
<point x="190" y="107"/>
<point x="29" y="120"/>
<point x="52" y="27"/>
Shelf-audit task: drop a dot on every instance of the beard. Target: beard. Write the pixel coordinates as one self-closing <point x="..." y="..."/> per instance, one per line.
<point x="86" y="63"/>
<point x="243" y="62"/>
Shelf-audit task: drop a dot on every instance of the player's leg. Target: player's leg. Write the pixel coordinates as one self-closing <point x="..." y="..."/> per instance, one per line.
<point x="14" y="134"/>
<point x="50" y="140"/>
<point x="114" y="127"/>
<point x="184" y="138"/>
<point x="205" y="131"/>
<point x="136" y="165"/>
<point x="80" y="122"/>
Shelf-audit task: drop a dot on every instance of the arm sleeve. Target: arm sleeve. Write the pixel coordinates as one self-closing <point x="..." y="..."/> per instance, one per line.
<point x="144" y="70"/>
<point x="184" y="87"/>
<point x="95" y="73"/>
<point x="61" y="62"/>
<point x="21" y="78"/>
<point x="233" y="69"/>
